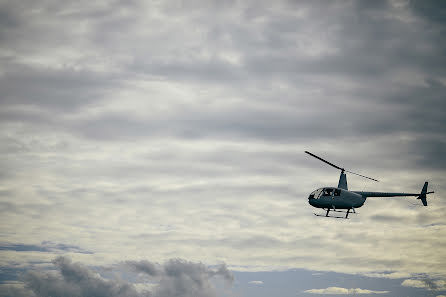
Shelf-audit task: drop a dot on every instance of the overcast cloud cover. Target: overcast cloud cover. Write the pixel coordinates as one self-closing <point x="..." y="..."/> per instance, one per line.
<point x="150" y="131"/>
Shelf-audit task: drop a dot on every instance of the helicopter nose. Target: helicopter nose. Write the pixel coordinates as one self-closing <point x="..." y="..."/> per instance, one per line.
<point x="311" y="200"/>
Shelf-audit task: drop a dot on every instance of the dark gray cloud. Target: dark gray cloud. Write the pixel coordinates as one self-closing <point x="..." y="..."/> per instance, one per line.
<point x="75" y="280"/>
<point x="144" y="266"/>
<point x="182" y="278"/>
<point x="14" y="291"/>
<point x="61" y="90"/>
<point x="431" y="10"/>
<point x="370" y="43"/>
<point x="178" y="269"/>
<point x="174" y="278"/>
<point x="46" y="246"/>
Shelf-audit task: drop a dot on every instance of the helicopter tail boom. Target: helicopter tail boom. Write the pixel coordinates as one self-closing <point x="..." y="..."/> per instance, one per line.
<point x="421" y="196"/>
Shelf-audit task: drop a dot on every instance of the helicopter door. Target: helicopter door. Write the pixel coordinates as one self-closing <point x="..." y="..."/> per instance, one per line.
<point x="328" y="192"/>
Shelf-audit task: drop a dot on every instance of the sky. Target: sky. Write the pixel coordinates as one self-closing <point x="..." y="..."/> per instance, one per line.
<point x="156" y="148"/>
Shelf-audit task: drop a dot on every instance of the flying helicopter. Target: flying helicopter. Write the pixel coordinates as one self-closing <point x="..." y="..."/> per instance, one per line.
<point x="340" y="198"/>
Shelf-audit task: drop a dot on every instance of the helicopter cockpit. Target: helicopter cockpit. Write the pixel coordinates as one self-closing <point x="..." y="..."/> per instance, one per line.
<point x="316" y="194"/>
<point x="324" y="192"/>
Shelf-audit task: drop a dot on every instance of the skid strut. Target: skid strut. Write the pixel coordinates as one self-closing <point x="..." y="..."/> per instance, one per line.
<point x="328" y="210"/>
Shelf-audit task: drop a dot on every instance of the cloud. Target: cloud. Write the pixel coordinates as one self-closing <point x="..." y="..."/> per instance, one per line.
<point x="343" y="291"/>
<point x="143" y="266"/>
<point x="45" y="246"/>
<point x="180" y="129"/>
<point x="256" y="282"/>
<point x="175" y="278"/>
<point x="391" y="275"/>
<point x="15" y="291"/>
<point x="425" y="283"/>
<point x="74" y="279"/>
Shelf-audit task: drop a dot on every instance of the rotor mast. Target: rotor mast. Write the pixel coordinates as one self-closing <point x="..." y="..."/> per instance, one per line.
<point x="342" y="184"/>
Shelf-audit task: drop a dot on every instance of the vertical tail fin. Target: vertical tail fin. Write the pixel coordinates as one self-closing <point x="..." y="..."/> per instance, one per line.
<point x="423" y="194"/>
<point x="343" y="181"/>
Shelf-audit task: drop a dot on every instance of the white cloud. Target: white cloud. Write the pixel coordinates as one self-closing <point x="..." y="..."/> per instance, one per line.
<point x="413" y="283"/>
<point x="256" y="282"/>
<point x="392" y="275"/>
<point x="343" y="291"/>
<point x="425" y="283"/>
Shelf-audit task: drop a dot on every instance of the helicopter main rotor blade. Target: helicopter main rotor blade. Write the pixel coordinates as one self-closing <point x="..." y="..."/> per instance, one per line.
<point x="362" y="175"/>
<point x="342" y="169"/>
<point x="325" y="161"/>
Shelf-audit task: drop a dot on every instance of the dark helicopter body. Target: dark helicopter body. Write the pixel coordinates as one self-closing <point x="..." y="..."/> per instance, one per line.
<point x="335" y="198"/>
<point x="330" y="198"/>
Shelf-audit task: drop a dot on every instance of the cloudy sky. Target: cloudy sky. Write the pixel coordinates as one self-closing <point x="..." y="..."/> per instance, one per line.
<point x="156" y="148"/>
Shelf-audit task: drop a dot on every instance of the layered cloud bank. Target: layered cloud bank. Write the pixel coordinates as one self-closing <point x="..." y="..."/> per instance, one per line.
<point x="174" y="278"/>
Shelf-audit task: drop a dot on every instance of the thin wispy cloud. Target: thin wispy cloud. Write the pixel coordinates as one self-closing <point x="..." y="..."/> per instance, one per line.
<point x="343" y="291"/>
<point x="391" y="275"/>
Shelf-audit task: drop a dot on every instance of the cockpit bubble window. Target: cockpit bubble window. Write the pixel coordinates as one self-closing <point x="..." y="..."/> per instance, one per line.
<point x="327" y="192"/>
<point x="315" y="194"/>
<point x="337" y="192"/>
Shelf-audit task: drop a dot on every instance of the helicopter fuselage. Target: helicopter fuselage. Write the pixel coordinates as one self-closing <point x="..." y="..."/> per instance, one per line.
<point x="332" y="199"/>
<point x="335" y="198"/>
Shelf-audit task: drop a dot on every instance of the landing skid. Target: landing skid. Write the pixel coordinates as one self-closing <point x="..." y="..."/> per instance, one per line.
<point x="334" y="210"/>
<point x="319" y="215"/>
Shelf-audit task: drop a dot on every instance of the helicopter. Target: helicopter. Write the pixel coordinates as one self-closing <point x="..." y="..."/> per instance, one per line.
<point x="340" y="198"/>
